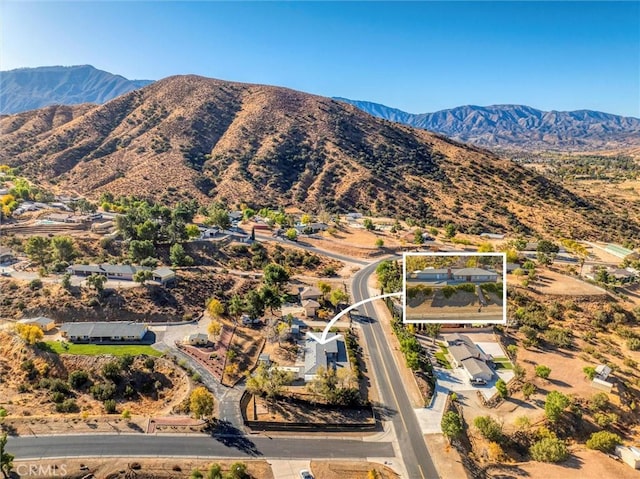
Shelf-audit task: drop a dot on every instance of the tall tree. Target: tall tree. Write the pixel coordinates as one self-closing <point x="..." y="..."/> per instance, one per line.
<point x="275" y="275"/>
<point x="62" y="247"/>
<point x="38" y="250"/>
<point x="6" y="459"/>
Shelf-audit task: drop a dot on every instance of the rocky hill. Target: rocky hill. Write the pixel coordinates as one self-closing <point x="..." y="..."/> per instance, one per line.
<point x="30" y="88"/>
<point x="193" y="137"/>
<point x="519" y="126"/>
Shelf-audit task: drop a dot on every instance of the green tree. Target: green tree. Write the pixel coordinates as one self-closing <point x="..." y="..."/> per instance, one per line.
<point x="62" y="247"/>
<point x="338" y="296"/>
<point x="6" y="459"/>
<point x="215" y="472"/>
<point x="512" y="349"/>
<point x="238" y="470"/>
<point x="178" y="256"/>
<point x="589" y="372"/>
<point x="325" y="289"/>
<point x="253" y="304"/>
<point x="604" y="441"/>
<point x="417" y="236"/>
<point x="143" y="275"/>
<point x="450" y="230"/>
<point x="546" y="251"/>
<point x="379" y="243"/>
<point x="65" y="282"/>
<point x="291" y="234"/>
<point x="451" y="425"/>
<point x="543" y="371"/>
<point x="201" y="403"/>
<point x="236" y="307"/>
<point x="528" y="390"/>
<point x="554" y="405"/>
<point x="368" y="224"/>
<point x="192" y="231"/>
<point x="275" y="275"/>
<point x="501" y="386"/>
<point x="549" y="449"/>
<point x="141" y="249"/>
<point x="38" y="250"/>
<point x="147" y="231"/>
<point x="269" y="382"/>
<point x="97" y="281"/>
<point x="219" y="217"/>
<point x="432" y="330"/>
<point x="489" y="428"/>
<point x="112" y="370"/>
<point x="271" y="298"/>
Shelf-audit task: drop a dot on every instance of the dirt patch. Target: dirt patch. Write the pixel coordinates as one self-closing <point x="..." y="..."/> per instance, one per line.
<point x="583" y="464"/>
<point x="350" y="470"/>
<point x="555" y="283"/>
<point x="143" y="468"/>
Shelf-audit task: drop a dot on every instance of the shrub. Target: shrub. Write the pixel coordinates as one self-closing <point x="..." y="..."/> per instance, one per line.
<point x="590" y="372"/>
<point x="554" y="405"/>
<point x="599" y="401"/>
<point x="110" y="406"/>
<point x="59" y="386"/>
<point x="543" y="371"/>
<point x="501" y="386"/>
<point x="78" y="379"/>
<point x="549" y="449"/>
<point x="451" y="425"/>
<point x="604" y="419"/>
<point x="103" y="391"/>
<point x="633" y="344"/>
<point x="488" y="428"/>
<point x="604" y="441"/>
<point x="35" y="284"/>
<point x="111" y="370"/>
<point x="67" y="406"/>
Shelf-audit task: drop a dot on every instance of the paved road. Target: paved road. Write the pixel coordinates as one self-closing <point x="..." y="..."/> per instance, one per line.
<point x="411" y="441"/>
<point x="136" y="445"/>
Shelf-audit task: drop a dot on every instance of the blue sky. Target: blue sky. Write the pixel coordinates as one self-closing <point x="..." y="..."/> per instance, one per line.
<point x="416" y="56"/>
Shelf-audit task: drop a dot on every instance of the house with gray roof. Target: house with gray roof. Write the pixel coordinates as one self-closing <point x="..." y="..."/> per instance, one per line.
<point x="445" y="276"/>
<point x="46" y="324"/>
<point x="318" y="355"/>
<point x="96" y="332"/>
<point x="466" y="354"/>
<point x="122" y="272"/>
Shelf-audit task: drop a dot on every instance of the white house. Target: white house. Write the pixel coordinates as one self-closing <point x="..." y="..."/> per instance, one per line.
<point x="630" y="455"/>
<point x="196" y="339"/>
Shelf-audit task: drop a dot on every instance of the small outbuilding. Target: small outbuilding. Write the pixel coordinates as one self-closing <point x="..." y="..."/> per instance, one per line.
<point x="196" y="339"/>
<point x="46" y="324"/>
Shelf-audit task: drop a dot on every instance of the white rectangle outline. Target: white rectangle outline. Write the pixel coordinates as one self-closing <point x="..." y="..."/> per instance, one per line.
<point x="453" y="321"/>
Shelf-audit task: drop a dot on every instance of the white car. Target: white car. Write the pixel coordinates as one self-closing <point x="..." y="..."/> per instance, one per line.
<point x="305" y="474"/>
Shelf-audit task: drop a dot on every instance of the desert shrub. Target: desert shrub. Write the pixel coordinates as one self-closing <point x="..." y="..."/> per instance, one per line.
<point x="549" y="449"/>
<point x="58" y="385"/>
<point x="604" y="441"/>
<point x="488" y="428"/>
<point x="78" y="379"/>
<point x="110" y="406"/>
<point x="35" y="284"/>
<point x="543" y="371"/>
<point x="633" y="344"/>
<point x="103" y="391"/>
<point x="599" y="401"/>
<point x="111" y="370"/>
<point x="448" y="291"/>
<point x="67" y="406"/>
<point x="604" y="419"/>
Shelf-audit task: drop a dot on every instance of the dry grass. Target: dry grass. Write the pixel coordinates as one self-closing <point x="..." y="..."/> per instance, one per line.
<point x="349" y="470"/>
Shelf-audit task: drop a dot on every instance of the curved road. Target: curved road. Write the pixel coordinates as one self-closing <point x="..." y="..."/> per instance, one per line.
<point x="411" y="441"/>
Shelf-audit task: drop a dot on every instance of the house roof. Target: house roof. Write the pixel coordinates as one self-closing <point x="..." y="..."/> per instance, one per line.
<point x="603" y="371"/>
<point x="315" y="354"/>
<point x="310" y="291"/>
<point x="197" y="336"/>
<point x="104" y="329"/>
<point x="433" y="271"/>
<point x="40" y="321"/>
<point x="476" y="367"/>
<point x="310" y="303"/>
<point x="464" y="348"/>
<point x="473" y="272"/>
<point x="164" y="272"/>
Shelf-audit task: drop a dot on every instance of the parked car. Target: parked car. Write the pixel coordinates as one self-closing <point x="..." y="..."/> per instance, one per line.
<point x="305" y="474"/>
<point x="478" y="382"/>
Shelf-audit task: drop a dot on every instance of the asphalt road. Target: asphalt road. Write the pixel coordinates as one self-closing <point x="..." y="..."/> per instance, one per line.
<point x="301" y="244"/>
<point x="399" y="409"/>
<point x="137" y="445"/>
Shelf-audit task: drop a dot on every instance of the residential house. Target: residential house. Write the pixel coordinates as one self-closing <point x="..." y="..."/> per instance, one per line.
<point x="466" y="354"/>
<point x="630" y="455"/>
<point x="264" y="358"/>
<point x="474" y="275"/>
<point x="46" y="324"/>
<point x="498" y="236"/>
<point x="122" y="272"/>
<point x="97" y="332"/>
<point x="311" y="228"/>
<point x="103" y="227"/>
<point x="310" y="307"/>
<point x="310" y="292"/>
<point x="6" y="256"/>
<point x="318" y="356"/>
<point x="196" y="339"/>
<point x="467" y="275"/>
<point x="353" y="216"/>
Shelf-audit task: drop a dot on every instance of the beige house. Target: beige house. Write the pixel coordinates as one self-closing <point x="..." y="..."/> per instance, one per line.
<point x="46" y="324"/>
<point x="196" y="339"/>
<point x="310" y="292"/>
<point x="310" y="307"/>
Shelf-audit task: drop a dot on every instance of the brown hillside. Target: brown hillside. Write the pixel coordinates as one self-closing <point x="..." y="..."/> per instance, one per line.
<point x="188" y="136"/>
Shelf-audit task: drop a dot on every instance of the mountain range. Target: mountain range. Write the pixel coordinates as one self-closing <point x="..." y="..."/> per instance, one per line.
<point x="519" y="126"/>
<point x="194" y="137"/>
<point x="30" y="88"/>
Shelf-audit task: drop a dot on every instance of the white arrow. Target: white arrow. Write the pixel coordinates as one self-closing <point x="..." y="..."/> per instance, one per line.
<point x="322" y="339"/>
